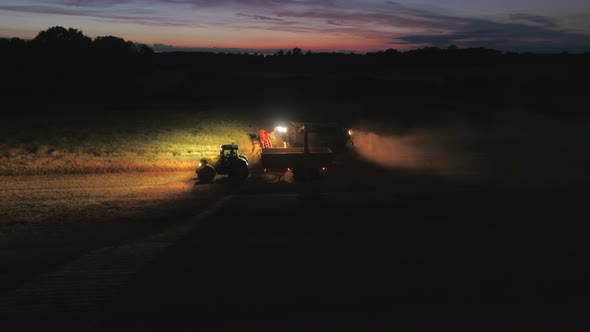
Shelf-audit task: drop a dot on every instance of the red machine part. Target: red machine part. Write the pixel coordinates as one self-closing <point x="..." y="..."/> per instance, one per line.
<point x="264" y="140"/>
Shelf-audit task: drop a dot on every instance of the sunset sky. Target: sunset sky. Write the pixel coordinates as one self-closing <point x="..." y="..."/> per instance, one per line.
<point x="317" y="25"/>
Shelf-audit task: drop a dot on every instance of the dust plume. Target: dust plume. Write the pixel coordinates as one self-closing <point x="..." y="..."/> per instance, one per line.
<point x="511" y="146"/>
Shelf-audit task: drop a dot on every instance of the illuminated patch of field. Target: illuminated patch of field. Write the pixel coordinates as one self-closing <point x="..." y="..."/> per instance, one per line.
<point x="111" y="142"/>
<point x="26" y="200"/>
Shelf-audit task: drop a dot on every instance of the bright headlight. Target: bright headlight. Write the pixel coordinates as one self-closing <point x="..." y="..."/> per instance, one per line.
<point x="281" y="129"/>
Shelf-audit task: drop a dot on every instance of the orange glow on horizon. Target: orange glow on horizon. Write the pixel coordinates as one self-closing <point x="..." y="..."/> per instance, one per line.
<point x="265" y="40"/>
<point x="318" y="44"/>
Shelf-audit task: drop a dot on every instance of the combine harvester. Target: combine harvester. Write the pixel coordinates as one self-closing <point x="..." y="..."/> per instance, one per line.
<point x="306" y="162"/>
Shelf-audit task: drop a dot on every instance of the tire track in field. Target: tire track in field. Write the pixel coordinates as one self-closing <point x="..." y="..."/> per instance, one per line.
<point x="84" y="285"/>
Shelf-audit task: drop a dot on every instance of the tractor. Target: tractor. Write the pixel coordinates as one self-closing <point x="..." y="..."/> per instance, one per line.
<point x="230" y="162"/>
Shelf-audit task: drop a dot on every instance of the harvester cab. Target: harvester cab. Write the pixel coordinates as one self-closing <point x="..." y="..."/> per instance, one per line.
<point x="334" y="135"/>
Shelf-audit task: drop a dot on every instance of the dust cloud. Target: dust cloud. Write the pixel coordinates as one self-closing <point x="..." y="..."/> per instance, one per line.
<point x="510" y="146"/>
<point x="415" y="151"/>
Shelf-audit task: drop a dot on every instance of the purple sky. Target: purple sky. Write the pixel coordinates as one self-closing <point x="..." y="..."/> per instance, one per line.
<point x="319" y="25"/>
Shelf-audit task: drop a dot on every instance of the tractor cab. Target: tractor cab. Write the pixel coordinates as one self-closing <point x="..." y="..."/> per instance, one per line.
<point x="231" y="162"/>
<point x="228" y="150"/>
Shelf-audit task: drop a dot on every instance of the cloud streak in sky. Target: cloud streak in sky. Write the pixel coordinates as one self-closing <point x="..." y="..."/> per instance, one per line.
<point x="138" y="16"/>
<point x="469" y="32"/>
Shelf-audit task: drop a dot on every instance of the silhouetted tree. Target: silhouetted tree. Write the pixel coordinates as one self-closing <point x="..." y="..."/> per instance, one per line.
<point x="143" y="49"/>
<point x="60" y="38"/>
<point x="391" y="51"/>
<point x="113" y="46"/>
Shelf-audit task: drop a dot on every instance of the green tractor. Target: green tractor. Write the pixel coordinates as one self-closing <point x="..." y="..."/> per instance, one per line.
<point x="231" y="163"/>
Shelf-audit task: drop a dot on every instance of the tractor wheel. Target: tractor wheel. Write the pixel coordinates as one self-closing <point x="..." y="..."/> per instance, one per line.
<point x="238" y="171"/>
<point x="206" y="174"/>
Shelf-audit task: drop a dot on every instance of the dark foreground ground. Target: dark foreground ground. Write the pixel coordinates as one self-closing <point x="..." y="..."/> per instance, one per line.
<point x="373" y="258"/>
<point x="397" y="251"/>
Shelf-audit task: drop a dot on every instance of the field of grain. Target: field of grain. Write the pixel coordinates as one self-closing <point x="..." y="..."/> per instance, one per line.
<point x="115" y="140"/>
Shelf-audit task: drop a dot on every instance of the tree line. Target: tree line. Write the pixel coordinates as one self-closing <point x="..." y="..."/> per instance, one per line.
<point x="63" y="60"/>
<point x="71" y="47"/>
